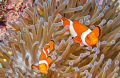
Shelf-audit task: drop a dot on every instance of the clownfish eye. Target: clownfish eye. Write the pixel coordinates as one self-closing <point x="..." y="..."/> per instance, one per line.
<point x="45" y="64"/>
<point x="87" y="37"/>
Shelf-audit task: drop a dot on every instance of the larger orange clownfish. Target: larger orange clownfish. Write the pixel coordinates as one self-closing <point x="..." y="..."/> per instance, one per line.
<point x="81" y="33"/>
<point x="44" y="59"/>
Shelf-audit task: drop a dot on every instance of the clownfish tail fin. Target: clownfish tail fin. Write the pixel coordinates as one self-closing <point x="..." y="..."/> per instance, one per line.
<point x="97" y="31"/>
<point x="52" y="40"/>
<point x="34" y="66"/>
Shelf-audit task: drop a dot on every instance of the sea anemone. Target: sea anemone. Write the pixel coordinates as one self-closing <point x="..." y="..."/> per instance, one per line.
<point x="69" y="59"/>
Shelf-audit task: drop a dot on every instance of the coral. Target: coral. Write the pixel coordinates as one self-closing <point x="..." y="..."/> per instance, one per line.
<point x="14" y="8"/>
<point x="69" y="59"/>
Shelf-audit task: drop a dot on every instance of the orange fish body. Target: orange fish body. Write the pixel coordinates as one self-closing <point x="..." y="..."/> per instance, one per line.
<point x="45" y="59"/>
<point x="80" y="32"/>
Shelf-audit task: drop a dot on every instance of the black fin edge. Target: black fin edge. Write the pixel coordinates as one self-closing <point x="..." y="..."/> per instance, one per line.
<point x="99" y="31"/>
<point x="52" y="40"/>
<point x="49" y="56"/>
<point x="32" y="65"/>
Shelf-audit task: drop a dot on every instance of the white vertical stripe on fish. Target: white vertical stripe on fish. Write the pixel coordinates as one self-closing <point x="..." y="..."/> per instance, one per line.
<point x="72" y="31"/>
<point x="48" y="50"/>
<point x="84" y="34"/>
<point x="62" y="21"/>
<point x="45" y="53"/>
<point x="43" y="61"/>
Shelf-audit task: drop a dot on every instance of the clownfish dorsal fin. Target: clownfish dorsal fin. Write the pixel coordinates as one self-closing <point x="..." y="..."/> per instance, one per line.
<point x="77" y="39"/>
<point x="34" y="66"/>
<point x="49" y="59"/>
<point x="97" y="31"/>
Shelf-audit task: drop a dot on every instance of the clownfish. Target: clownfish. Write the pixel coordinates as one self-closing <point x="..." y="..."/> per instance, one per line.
<point x="40" y="12"/>
<point x="44" y="59"/>
<point x="81" y="33"/>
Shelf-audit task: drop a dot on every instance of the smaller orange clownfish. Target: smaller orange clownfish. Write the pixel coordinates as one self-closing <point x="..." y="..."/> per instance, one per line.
<point x="40" y="11"/>
<point x="45" y="59"/>
<point x="81" y="33"/>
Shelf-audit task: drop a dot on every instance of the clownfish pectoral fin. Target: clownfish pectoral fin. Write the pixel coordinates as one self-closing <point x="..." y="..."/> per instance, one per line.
<point x="34" y="66"/>
<point x="49" y="59"/>
<point x="97" y="31"/>
<point x="51" y="44"/>
<point x="77" y="39"/>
